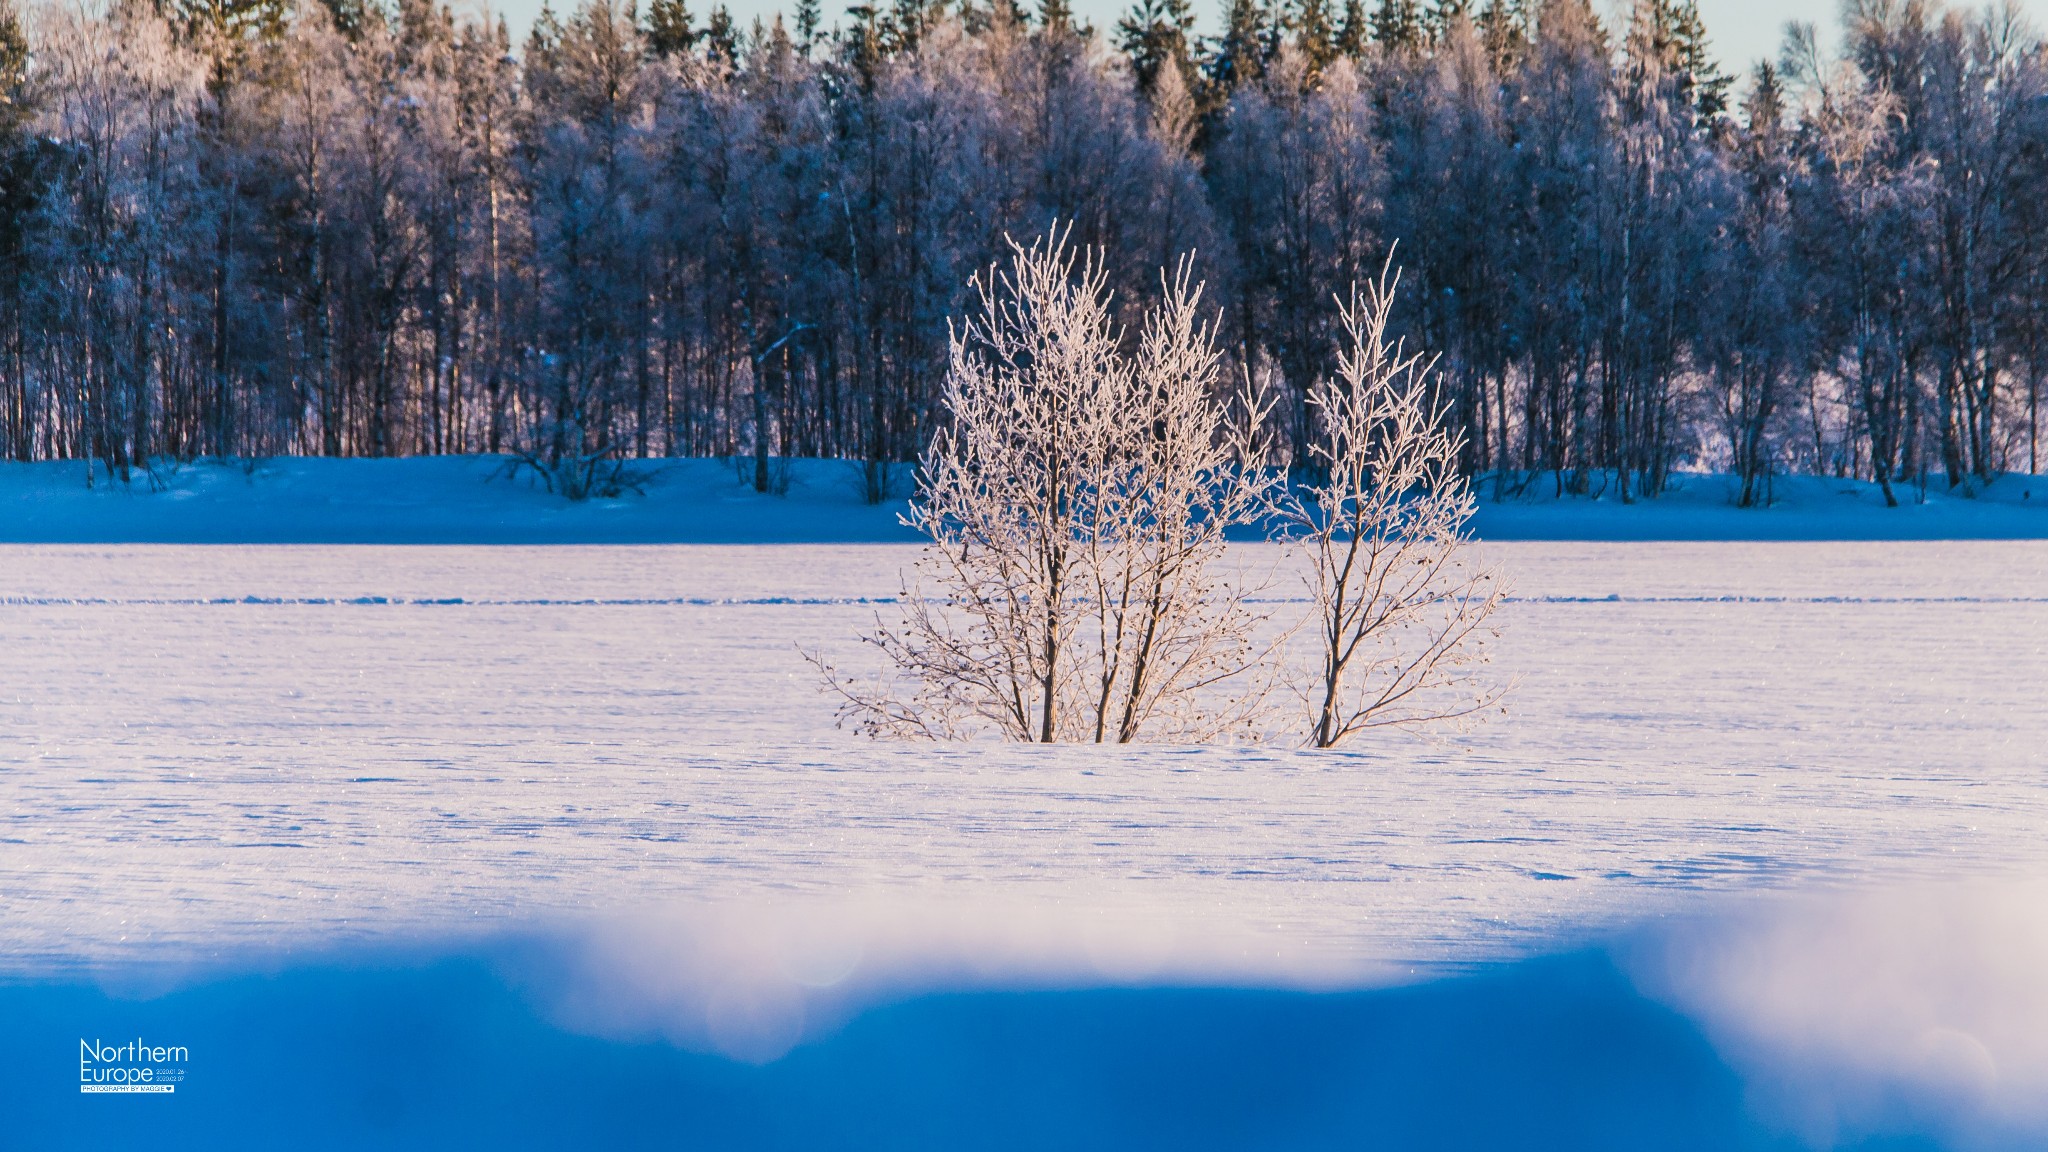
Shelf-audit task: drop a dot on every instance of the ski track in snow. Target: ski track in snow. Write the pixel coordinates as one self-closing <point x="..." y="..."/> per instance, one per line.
<point x="207" y="751"/>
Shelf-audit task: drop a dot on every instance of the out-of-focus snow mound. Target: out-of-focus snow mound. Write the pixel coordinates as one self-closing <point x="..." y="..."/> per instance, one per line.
<point x="481" y="500"/>
<point x="754" y="982"/>
<point x="1900" y="1021"/>
<point x="1908" y="1011"/>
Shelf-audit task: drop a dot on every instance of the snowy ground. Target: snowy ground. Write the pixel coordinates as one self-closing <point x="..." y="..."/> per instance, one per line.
<point x="395" y="739"/>
<point x="226" y="756"/>
<point x="468" y="500"/>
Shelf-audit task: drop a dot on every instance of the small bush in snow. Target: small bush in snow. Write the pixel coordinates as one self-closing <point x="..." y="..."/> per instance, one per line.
<point x="1076" y="500"/>
<point x="1401" y="609"/>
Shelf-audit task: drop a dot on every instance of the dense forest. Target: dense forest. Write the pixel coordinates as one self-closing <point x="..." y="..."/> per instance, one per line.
<point x="258" y="227"/>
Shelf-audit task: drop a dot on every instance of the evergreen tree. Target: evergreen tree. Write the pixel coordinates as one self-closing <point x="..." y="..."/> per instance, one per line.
<point x="807" y="22"/>
<point x="1764" y="110"/>
<point x="1155" y="34"/>
<point x="911" y="20"/>
<point x="1313" y="34"/>
<point x="722" y="39"/>
<point x="1397" y="25"/>
<point x="1356" y="31"/>
<point x="349" y="16"/>
<point x="1706" y="83"/>
<point x="228" y="30"/>
<point x="669" y="30"/>
<point x="542" y="38"/>
<point x="1279" y="21"/>
<point x="1239" y="57"/>
<point x="1503" y="29"/>
<point x="864" y="45"/>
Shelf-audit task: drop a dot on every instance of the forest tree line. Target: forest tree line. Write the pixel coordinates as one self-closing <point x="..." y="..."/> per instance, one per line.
<point x="244" y="228"/>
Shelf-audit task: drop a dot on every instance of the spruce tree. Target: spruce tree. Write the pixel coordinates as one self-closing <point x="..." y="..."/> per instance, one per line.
<point x="807" y="23"/>
<point x="1154" y="34"/>
<point x="722" y="39"/>
<point x="864" y="45"/>
<point x="542" y="38"/>
<point x="670" y="30"/>
<point x="1397" y="25"/>
<point x="1504" y="31"/>
<point x="1706" y="83"/>
<point x="1278" y="23"/>
<point x="349" y="17"/>
<point x="911" y="20"/>
<point x="1239" y="57"/>
<point x="1313" y="34"/>
<point x="227" y="30"/>
<point x="1356" y="31"/>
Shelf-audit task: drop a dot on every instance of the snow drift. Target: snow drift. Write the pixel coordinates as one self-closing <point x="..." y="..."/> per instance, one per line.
<point x="1911" y="1018"/>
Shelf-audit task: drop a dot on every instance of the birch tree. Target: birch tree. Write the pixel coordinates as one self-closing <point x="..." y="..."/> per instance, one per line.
<point x="249" y="227"/>
<point x="1076" y="500"/>
<point x="1401" y="607"/>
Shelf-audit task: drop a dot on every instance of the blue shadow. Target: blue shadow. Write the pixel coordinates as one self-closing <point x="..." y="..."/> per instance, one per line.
<point x="1560" y="1053"/>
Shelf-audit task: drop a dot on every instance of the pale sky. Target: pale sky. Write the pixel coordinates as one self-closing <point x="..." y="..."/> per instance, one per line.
<point x="1741" y="31"/>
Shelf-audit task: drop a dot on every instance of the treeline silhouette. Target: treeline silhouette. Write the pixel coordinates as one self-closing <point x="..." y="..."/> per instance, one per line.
<point x="258" y="227"/>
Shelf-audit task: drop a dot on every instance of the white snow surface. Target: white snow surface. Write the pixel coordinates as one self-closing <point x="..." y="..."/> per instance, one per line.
<point x="213" y="752"/>
<point x="481" y="500"/>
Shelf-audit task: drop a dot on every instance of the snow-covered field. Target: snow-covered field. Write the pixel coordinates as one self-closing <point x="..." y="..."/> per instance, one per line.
<point x="222" y="749"/>
<point x="233" y="758"/>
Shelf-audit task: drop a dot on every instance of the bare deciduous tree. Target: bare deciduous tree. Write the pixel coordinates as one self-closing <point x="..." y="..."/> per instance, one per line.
<point x="1401" y="608"/>
<point x="1076" y="499"/>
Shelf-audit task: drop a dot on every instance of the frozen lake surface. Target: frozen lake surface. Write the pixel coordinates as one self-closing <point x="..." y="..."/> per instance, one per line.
<point x="208" y="752"/>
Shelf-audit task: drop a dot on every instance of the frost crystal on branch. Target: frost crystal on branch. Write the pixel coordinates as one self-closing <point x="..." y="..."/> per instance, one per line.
<point x="1076" y="499"/>
<point x="1402" y="610"/>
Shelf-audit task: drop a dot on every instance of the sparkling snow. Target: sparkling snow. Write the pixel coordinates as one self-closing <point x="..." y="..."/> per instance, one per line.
<point x="208" y="751"/>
